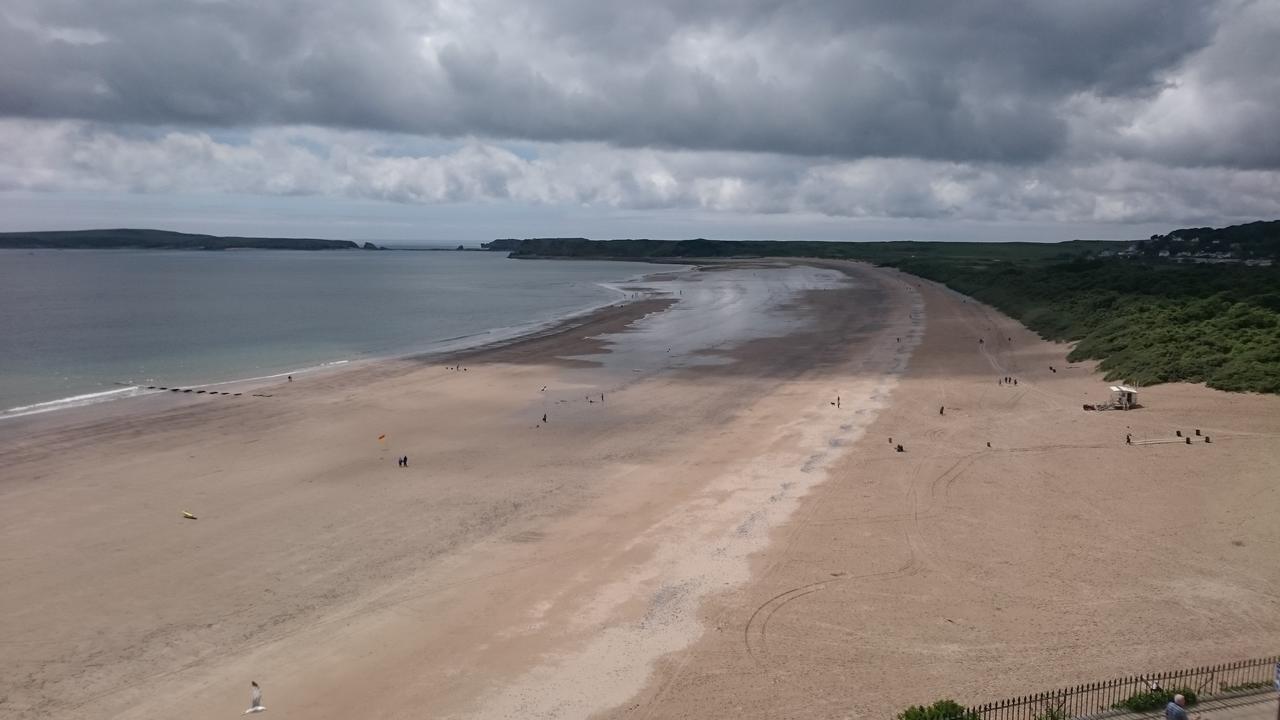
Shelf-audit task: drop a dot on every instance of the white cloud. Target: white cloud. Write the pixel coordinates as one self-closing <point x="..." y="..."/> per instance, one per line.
<point x="74" y="156"/>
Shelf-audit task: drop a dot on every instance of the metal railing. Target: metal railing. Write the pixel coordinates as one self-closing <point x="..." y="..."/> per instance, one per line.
<point x="1102" y="698"/>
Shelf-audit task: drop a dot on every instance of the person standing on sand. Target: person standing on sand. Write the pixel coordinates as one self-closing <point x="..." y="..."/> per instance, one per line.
<point x="544" y="418"/>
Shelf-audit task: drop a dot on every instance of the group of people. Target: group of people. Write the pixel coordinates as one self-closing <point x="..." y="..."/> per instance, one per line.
<point x="1008" y="380"/>
<point x="403" y="461"/>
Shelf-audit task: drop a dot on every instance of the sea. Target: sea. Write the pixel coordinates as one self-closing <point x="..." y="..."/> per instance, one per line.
<point x="88" y="326"/>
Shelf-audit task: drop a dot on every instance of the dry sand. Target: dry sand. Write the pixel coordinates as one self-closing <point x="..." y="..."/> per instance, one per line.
<point x="714" y="540"/>
<point x="1057" y="556"/>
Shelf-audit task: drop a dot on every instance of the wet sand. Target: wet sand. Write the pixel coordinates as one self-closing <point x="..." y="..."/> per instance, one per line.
<point x="713" y="539"/>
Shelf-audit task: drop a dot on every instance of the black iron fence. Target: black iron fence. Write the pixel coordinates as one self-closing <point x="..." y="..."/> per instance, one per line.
<point x="1109" y="696"/>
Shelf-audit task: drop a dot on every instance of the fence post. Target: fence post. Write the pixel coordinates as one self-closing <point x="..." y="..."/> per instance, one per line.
<point x="1102" y="695"/>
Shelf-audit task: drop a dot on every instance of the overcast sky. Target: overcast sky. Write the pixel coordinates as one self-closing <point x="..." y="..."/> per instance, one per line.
<point x="463" y="120"/>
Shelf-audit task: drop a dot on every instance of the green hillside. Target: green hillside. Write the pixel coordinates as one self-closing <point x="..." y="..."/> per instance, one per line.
<point x="161" y="240"/>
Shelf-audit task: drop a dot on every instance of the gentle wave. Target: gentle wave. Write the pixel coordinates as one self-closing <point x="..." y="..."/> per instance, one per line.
<point x="75" y="401"/>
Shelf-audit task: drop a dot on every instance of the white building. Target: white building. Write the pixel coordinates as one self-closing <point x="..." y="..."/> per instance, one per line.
<point x="1123" y="396"/>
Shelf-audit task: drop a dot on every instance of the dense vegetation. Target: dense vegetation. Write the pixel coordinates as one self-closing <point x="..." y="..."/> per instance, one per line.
<point x="940" y="710"/>
<point x="1147" y="320"/>
<point x="162" y="240"/>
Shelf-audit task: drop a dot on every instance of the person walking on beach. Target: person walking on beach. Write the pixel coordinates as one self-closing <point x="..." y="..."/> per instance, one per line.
<point x="544" y="418"/>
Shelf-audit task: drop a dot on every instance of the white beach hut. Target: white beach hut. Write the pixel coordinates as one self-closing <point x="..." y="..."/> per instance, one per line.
<point x="1123" y="397"/>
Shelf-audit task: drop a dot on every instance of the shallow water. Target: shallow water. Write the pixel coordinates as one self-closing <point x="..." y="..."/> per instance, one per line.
<point x="717" y="311"/>
<point x="78" y="326"/>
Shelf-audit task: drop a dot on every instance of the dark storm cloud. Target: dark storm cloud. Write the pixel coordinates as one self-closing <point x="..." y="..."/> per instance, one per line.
<point x="966" y="81"/>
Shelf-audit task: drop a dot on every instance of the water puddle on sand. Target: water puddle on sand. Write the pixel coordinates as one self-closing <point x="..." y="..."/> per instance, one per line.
<point x="702" y="546"/>
<point x="717" y="310"/>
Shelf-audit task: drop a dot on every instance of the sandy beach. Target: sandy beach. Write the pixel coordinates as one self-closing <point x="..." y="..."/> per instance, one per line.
<point x="696" y="530"/>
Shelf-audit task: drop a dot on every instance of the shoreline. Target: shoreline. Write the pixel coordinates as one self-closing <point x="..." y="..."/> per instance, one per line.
<point x="434" y="350"/>
<point x="604" y="319"/>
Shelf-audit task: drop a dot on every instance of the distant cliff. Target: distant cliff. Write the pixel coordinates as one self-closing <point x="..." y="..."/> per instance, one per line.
<point x="163" y="240"/>
<point x="503" y="244"/>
